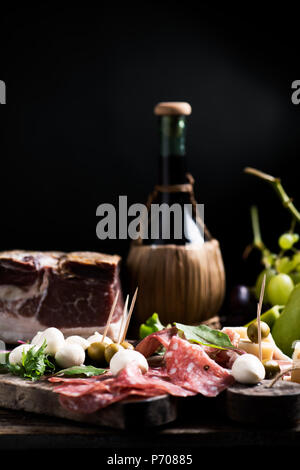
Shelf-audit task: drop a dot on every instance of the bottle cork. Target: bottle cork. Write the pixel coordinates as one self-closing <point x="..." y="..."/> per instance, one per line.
<point x="167" y="108"/>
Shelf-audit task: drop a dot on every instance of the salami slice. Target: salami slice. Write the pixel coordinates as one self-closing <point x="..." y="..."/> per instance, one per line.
<point x="71" y="390"/>
<point x="93" y="402"/>
<point x="151" y="343"/>
<point x="190" y="367"/>
<point x="132" y="377"/>
<point x="73" y="380"/>
<point x="158" y="372"/>
<point x="87" y="404"/>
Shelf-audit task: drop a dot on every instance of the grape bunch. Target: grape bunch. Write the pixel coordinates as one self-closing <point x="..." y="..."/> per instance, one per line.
<point x="282" y="271"/>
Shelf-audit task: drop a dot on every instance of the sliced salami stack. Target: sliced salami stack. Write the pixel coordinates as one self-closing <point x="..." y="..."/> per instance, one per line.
<point x="188" y="370"/>
<point x="190" y="367"/>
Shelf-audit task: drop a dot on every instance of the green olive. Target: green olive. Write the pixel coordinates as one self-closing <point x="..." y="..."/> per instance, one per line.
<point x="252" y="331"/>
<point x="96" y="352"/>
<point x="271" y="367"/>
<point x="111" y="350"/>
<point x="127" y="345"/>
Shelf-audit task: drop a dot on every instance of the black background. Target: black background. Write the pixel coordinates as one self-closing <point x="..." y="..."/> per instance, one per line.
<point x="78" y="128"/>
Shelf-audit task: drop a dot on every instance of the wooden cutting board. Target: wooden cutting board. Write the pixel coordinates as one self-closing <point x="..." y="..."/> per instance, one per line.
<point x="245" y="404"/>
<point x="38" y="397"/>
<point x="261" y="404"/>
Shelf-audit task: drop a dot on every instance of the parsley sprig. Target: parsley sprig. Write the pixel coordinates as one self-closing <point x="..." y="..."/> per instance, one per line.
<point x="35" y="363"/>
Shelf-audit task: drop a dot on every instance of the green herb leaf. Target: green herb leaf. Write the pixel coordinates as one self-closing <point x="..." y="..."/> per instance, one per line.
<point x="88" y="371"/>
<point x="35" y="364"/>
<point x="151" y="325"/>
<point x="202" y="334"/>
<point x="3" y="362"/>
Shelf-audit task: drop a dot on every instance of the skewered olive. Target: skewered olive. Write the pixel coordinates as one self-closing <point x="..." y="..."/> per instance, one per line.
<point x="252" y="331"/>
<point x="127" y="345"/>
<point x="96" y="352"/>
<point x="272" y="368"/>
<point x="111" y="350"/>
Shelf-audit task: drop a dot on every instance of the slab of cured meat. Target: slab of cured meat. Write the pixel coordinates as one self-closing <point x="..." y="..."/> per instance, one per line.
<point x="71" y="291"/>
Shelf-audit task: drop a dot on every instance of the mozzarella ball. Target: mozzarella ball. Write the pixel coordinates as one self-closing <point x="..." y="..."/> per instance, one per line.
<point x="247" y="369"/>
<point x="124" y="357"/>
<point x="97" y="338"/>
<point x="15" y="356"/>
<point x="54" y="339"/>
<point x="70" y="355"/>
<point x="78" y="340"/>
<point x="36" y="338"/>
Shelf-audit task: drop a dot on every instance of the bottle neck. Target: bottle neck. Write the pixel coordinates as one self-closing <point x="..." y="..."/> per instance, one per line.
<point x="172" y="132"/>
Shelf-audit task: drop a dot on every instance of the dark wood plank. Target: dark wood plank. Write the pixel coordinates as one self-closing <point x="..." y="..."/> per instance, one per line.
<point x="259" y="403"/>
<point x="201" y="423"/>
<point x="38" y="397"/>
<point x="20" y="430"/>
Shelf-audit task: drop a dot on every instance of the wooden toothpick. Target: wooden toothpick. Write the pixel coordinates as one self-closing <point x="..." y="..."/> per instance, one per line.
<point x="129" y="315"/>
<point x="123" y="319"/>
<point x="259" y="307"/>
<point x="110" y="316"/>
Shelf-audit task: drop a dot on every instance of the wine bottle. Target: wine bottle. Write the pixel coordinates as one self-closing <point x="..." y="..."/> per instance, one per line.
<point x="176" y="222"/>
<point x="179" y="276"/>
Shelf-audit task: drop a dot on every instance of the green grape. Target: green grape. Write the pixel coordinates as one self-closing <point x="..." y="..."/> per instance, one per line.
<point x="295" y="277"/>
<point x="284" y="265"/>
<point x="286" y="241"/>
<point x="279" y="289"/>
<point x="296" y="261"/>
<point x="269" y="272"/>
<point x="270" y="259"/>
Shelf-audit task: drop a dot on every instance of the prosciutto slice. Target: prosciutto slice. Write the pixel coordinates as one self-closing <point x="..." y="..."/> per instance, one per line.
<point x="149" y="345"/>
<point x="190" y="367"/>
<point x="226" y="357"/>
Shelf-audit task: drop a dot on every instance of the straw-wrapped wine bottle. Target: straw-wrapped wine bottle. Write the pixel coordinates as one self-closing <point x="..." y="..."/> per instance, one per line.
<point x="179" y="270"/>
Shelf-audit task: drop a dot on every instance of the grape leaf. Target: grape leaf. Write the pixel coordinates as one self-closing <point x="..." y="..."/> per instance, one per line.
<point x="88" y="371"/>
<point x="202" y="334"/>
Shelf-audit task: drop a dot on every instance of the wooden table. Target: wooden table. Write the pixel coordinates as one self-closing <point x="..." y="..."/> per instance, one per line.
<point x="21" y="430"/>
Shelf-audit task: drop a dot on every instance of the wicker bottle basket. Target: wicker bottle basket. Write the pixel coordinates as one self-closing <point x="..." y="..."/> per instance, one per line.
<point x="183" y="283"/>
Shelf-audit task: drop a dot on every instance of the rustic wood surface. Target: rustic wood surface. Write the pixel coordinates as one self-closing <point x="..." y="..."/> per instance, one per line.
<point x="38" y="397"/>
<point x="201" y="423"/>
<point x="279" y="404"/>
<point x="20" y="430"/>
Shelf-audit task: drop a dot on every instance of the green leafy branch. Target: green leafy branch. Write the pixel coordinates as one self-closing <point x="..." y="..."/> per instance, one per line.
<point x="286" y="201"/>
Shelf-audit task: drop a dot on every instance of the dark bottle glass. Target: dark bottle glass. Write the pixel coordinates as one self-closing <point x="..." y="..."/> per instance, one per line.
<point x="162" y="227"/>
